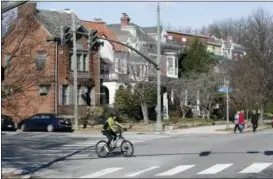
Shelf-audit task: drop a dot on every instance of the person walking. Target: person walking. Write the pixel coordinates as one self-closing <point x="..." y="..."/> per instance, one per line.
<point x="254" y="120"/>
<point x="236" y="121"/>
<point x="241" y="121"/>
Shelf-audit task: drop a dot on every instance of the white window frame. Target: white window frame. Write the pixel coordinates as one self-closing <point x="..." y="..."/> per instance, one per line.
<point x="44" y="90"/>
<point x="65" y="95"/>
<point x="41" y="60"/>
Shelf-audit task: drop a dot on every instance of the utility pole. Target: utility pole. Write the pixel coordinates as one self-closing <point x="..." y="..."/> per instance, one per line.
<point x="158" y="118"/>
<point x="227" y="99"/>
<point x="89" y="52"/>
<point x="75" y="73"/>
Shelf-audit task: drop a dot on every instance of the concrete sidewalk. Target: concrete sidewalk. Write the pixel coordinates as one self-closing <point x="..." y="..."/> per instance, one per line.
<point x="200" y="130"/>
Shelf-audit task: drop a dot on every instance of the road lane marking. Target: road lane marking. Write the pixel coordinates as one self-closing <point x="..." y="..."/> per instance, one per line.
<point x="142" y="171"/>
<point x="215" y="169"/>
<point x="102" y="172"/>
<point x="176" y="170"/>
<point x="255" y="168"/>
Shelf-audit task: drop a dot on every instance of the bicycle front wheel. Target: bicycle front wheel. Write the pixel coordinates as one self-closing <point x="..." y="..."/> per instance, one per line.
<point x="102" y="149"/>
<point x="127" y="148"/>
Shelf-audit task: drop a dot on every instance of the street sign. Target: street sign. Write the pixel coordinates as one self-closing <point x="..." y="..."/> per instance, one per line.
<point x="225" y="89"/>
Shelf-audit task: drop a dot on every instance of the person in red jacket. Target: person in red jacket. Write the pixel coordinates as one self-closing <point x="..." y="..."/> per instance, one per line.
<point x="241" y="120"/>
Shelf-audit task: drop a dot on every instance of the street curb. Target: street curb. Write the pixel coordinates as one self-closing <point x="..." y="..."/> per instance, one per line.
<point x="15" y="173"/>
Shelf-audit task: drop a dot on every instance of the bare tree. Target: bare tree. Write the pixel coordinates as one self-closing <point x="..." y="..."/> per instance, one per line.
<point x="184" y="93"/>
<point x="255" y="33"/>
<point x="21" y="74"/>
<point x="209" y="84"/>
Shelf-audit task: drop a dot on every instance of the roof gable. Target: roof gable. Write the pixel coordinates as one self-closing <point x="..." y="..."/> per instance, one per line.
<point x="103" y="30"/>
<point x="53" y="20"/>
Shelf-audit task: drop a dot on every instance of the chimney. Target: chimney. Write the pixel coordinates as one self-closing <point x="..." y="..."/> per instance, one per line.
<point x="28" y="8"/>
<point x="125" y="19"/>
<point x="98" y="20"/>
<point x="229" y="38"/>
<point x="68" y="11"/>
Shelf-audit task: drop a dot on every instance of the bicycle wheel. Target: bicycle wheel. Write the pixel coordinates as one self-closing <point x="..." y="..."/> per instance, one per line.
<point x="102" y="151"/>
<point x="125" y="148"/>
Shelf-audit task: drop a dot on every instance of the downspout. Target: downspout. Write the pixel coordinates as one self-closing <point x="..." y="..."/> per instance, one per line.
<point x="56" y="79"/>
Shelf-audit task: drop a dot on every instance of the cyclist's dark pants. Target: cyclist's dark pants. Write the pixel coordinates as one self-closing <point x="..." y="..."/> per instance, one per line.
<point x="110" y="135"/>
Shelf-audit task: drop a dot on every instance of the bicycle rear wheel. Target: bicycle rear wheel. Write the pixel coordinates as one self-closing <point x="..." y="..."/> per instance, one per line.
<point x="127" y="148"/>
<point x="102" y="151"/>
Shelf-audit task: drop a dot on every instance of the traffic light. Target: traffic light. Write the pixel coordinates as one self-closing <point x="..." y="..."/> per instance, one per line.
<point x="66" y="35"/>
<point x="2" y="73"/>
<point x="93" y="42"/>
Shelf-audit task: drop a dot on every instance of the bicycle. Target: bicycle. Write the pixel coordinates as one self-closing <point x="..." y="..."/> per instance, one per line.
<point x="124" y="145"/>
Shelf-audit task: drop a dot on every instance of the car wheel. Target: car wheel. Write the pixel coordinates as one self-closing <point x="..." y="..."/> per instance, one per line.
<point x="23" y="127"/>
<point x="50" y="128"/>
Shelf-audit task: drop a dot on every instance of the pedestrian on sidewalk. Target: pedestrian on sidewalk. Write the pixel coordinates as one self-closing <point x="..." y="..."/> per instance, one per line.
<point x="254" y="120"/>
<point x="236" y="121"/>
<point x="241" y="121"/>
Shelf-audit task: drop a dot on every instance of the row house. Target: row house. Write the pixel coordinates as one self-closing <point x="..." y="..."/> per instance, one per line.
<point x="112" y="58"/>
<point x="54" y="60"/>
<point x="225" y="49"/>
<point x="136" y="36"/>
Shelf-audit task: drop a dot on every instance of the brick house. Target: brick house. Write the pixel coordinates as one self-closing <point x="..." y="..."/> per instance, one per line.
<point x="47" y="96"/>
<point x="112" y="56"/>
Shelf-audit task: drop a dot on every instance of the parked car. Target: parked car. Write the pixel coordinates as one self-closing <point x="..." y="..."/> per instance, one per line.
<point x="7" y="124"/>
<point x="272" y="121"/>
<point x="45" y="122"/>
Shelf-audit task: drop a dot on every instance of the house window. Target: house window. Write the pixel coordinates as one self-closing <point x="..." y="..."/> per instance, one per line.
<point x="44" y="90"/>
<point x="84" y="63"/>
<point x="176" y="66"/>
<point x="184" y="39"/>
<point x="79" y="62"/>
<point x="65" y="95"/>
<point x="40" y="60"/>
<point x="170" y="37"/>
<point x="71" y="61"/>
<point x="170" y="62"/>
<point x="8" y="61"/>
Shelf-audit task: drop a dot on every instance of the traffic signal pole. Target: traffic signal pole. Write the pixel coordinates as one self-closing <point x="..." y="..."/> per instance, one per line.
<point x="75" y="74"/>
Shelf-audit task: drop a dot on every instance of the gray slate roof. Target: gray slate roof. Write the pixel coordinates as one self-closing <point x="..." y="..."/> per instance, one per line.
<point x="121" y="34"/>
<point x="52" y="21"/>
<point x="150" y="30"/>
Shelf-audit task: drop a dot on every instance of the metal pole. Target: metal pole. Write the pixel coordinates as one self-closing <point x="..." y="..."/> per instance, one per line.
<point x="89" y="53"/>
<point x="56" y="78"/>
<point x="75" y="73"/>
<point x="158" y="118"/>
<point x="227" y="101"/>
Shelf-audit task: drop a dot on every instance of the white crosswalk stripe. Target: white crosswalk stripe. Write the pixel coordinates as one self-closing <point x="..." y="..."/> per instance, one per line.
<point x="176" y="170"/>
<point x="212" y="170"/>
<point x="102" y="172"/>
<point x="256" y="168"/>
<point x="142" y="171"/>
<point x="215" y="169"/>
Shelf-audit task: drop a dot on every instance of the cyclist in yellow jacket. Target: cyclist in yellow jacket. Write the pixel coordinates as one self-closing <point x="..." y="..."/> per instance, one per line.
<point x="109" y="128"/>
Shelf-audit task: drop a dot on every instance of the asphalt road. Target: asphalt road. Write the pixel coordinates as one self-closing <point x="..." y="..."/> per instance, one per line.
<point x="55" y="155"/>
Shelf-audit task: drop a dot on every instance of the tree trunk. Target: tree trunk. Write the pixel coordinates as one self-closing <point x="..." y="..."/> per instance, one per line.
<point x="262" y="114"/>
<point x="144" y="110"/>
<point x="208" y="114"/>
